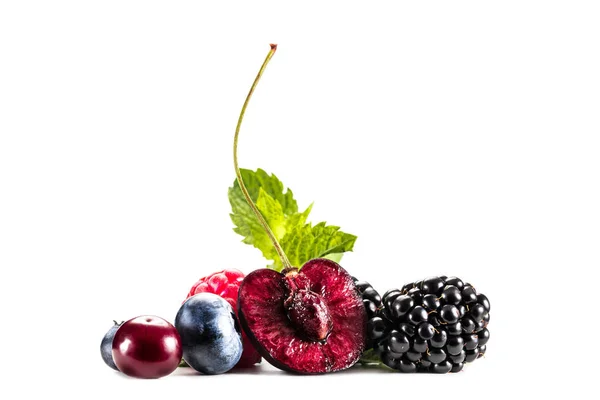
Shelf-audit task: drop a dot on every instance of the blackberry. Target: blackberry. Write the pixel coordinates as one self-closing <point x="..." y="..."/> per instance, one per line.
<point x="371" y="298"/>
<point x="435" y="325"/>
<point x="377" y="327"/>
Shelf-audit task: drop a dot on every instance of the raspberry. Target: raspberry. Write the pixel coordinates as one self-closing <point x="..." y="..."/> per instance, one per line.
<point x="434" y="325"/>
<point x="226" y="284"/>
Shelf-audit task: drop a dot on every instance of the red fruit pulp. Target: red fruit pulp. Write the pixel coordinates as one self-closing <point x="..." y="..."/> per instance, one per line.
<point x="309" y="321"/>
<point x="147" y="347"/>
<point x="226" y="284"/>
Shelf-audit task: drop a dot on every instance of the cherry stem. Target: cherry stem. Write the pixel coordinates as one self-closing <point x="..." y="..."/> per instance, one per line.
<point x="259" y="216"/>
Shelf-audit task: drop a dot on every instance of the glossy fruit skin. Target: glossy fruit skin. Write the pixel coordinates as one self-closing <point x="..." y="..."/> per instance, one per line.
<point x="484" y="336"/>
<point x="210" y="336"/>
<point x="437" y="324"/>
<point x="457" y="367"/>
<point x="468" y="325"/>
<point x="106" y="346"/>
<point x="407" y="366"/>
<point x="433" y="285"/>
<point x="417" y="315"/>
<point x="376" y="328"/>
<point x="449" y="314"/>
<point x="455" y="345"/>
<point x="420" y="345"/>
<point x="226" y="283"/>
<point x="400" y="306"/>
<point x="451" y="295"/>
<point x="442" y="368"/>
<point x="439" y="339"/>
<point x="431" y="302"/>
<point x="147" y="347"/>
<point x="371" y="298"/>
<point x="398" y="342"/>
<point x="436" y="356"/>
<point x="426" y="331"/>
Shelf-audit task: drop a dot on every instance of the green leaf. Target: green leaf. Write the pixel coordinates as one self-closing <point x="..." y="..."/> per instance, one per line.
<point x="306" y="242"/>
<point x="183" y="364"/>
<point x="278" y="207"/>
<point x="300" y="241"/>
<point x="370" y="357"/>
<point x="337" y="257"/>
<point x="273" y="213"/>
<point x="260" y="179"/>
<point x="297" y="219"/>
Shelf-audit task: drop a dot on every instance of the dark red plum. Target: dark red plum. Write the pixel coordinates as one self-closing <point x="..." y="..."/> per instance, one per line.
<point x="147" y="347"/>
<point x="308" y="321"/>
<point x="210" y="335"/>
<point x="106" y="346"/>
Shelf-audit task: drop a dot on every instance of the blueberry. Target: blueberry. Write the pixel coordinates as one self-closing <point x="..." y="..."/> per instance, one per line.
<point x="210" y="335"/>
<point x="106" y="346"/>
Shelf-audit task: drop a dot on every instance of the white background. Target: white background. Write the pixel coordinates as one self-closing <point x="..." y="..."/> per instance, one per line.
<point x="456" y="138"/>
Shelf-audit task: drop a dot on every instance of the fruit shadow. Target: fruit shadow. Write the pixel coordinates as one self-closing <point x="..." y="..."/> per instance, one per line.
<point x="254" y="370"/>
<point x="267" y="370"/>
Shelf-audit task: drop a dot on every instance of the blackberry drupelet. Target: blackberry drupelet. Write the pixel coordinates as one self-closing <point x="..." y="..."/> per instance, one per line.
<point x="371" y="298"/>
<point x="372" y="302"/>
<point x="434" y="325"/>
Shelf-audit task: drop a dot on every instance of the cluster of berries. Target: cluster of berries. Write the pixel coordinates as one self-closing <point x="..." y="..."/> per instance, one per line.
<point x="434" y="325"/>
